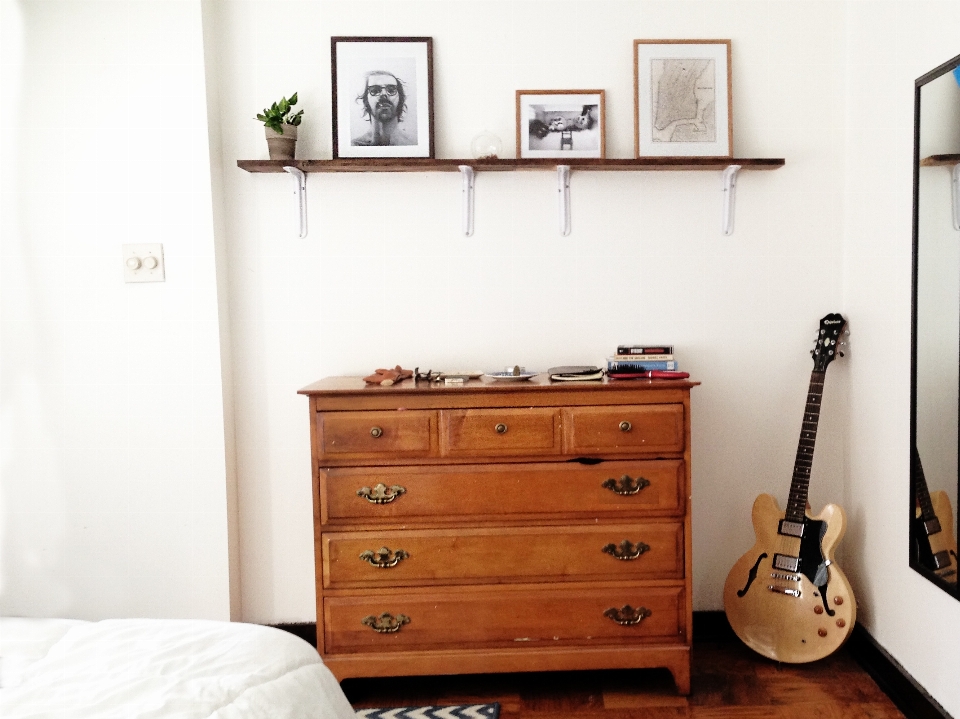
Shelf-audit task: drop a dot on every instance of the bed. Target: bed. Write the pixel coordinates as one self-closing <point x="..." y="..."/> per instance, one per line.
<point x="176" y="669"/>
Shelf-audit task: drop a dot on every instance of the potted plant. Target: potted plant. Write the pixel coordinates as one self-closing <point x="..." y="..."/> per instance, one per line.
<point x="281" y="127"/>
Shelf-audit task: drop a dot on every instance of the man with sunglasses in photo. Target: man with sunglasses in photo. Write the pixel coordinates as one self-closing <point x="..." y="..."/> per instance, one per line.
<point x="384" y="102"/>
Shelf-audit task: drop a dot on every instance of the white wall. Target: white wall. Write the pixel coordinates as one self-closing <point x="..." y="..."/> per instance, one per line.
<point x="114" y="485"/>
<point x="385" y="276"/>
<point x="890" y="45"/>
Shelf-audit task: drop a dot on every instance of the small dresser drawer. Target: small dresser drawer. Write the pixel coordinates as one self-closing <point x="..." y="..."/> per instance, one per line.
<point x="519" y="554"/>
<point x="517" y="491"/>
<point x="626" y="429"/>
<point x="500" y="432"/>
<point x="374" y="435"/>
<point x="505" y="617"/>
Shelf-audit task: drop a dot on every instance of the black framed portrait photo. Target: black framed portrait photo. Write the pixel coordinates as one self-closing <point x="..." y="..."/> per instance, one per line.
<point x="382" y="96"/>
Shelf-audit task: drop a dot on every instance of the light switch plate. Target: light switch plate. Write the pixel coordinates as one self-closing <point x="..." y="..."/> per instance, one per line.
<point x="143" y="263"/>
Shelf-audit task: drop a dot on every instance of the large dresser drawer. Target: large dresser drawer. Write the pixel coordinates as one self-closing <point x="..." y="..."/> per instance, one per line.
<point x="502" y="491"/>
<point x="504" y="617"/>
<point x="622" y="430"/>
<point x="500" y="432"/>
<point x="373" y="435"/>
<point x="520" y="554"/>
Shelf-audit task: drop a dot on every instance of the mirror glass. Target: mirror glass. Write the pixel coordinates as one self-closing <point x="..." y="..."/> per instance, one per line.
<point x="934" y="475"/>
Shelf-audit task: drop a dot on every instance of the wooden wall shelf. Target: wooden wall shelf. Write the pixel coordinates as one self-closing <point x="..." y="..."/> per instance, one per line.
<point x="402" y="164"/>
<point x="938" y="160"/>
<point x="730" y="166"/>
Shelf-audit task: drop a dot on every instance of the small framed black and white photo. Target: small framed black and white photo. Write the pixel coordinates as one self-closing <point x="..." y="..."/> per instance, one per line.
<point x="382" y="96"/>
<point x="682" y="98"/>
<point x="560" y="123"/>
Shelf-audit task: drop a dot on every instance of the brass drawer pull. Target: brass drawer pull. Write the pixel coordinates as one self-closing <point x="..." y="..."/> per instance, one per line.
<point x="626" y="550"/>
<point x="381" y="494"/>
<point x="626" y="615"/>
<point x="625" y="426"/>
<point x="376" y="432"/>
<point x="625" y="485"/>
<point x="383" y="557"/>
<point x="385" y="623"/>
<point x="501" y="428"/>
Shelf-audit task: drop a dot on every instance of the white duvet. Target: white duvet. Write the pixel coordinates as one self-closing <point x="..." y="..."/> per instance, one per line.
<point x="176" y="669"/>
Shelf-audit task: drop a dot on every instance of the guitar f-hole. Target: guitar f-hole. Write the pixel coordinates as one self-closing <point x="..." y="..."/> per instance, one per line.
<point x="753" y="575"/>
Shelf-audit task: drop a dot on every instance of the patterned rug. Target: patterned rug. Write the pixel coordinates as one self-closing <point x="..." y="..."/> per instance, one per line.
<point x="461" y="711"/>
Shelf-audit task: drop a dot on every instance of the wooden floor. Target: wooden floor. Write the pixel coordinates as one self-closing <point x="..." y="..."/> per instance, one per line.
<point x="729" y="681"/>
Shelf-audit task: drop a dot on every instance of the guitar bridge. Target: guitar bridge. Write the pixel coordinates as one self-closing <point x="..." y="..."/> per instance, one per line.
<point x="787" y="577"/>
<point x="786" y="563"/>
<point x="783" y="590"/>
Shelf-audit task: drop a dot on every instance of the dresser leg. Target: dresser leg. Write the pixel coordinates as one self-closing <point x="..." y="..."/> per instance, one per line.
<point x="681" y="677"/>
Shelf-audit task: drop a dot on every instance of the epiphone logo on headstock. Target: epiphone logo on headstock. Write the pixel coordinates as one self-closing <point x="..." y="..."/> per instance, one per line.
<point x="832" y="322"/>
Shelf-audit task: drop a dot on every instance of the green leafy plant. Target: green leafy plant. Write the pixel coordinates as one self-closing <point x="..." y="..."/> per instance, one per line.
<point x="278" y="114"/>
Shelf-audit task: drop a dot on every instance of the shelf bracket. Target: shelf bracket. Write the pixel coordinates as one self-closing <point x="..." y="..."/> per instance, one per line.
<point x="466" y="172"/>
<point x="301" y="178"/>
<point x="563" y="187"/>
<point x="729" y="196"/>
<point x="955" y="195"/>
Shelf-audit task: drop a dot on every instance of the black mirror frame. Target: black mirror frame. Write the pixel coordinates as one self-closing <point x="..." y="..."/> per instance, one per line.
<point x="951" y="589"/>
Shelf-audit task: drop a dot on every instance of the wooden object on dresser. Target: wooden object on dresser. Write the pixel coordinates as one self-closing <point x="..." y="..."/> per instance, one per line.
<point x="502" y="526"/>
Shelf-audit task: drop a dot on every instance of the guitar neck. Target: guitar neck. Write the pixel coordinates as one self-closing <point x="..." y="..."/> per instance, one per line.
<point x="927" y="511"/>
<point x="800" y="486"/>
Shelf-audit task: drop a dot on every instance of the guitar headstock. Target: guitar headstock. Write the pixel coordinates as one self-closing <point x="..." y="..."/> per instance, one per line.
<point x="826" y="348"/>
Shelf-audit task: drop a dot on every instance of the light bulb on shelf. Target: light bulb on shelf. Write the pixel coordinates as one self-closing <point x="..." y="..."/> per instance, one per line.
<point x="486" y="146"/>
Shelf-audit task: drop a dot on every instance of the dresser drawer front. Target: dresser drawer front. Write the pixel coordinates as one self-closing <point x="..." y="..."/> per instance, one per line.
<point x="358" y="435"/>
<point x="504" y="491"/>
<point x="500" y="432"/>
<point x="520" y="554"/>
<point x="505" y="617"/>
<point x="627" y="429"/>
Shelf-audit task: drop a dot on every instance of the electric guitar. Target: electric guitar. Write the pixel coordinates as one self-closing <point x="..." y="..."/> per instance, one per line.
<point x="934" y="543"/>
<point x="786" y="598"/>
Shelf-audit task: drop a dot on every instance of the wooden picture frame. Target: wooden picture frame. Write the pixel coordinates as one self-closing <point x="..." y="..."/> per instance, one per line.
<point x="397" y="121"/>
<point x="695" y="118"/>
<point x="560" y="123"/>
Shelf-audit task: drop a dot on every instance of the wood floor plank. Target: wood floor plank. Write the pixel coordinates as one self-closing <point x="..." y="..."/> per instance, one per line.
<point x="729" y="682"/>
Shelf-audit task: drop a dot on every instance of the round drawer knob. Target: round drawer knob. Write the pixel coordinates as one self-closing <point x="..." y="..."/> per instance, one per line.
<point x="625" y="426"/>
<point x="501" y="428"/>
<point x="376" y="432"/>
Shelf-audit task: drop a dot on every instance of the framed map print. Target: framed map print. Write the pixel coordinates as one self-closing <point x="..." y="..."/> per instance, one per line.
<point x="682" y="98"/>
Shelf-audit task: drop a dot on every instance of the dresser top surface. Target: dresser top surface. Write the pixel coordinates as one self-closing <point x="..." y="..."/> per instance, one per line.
<point x="340" y="386"/>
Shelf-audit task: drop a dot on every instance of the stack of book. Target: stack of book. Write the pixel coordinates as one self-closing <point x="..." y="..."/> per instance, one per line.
<point x="635" y="359"/>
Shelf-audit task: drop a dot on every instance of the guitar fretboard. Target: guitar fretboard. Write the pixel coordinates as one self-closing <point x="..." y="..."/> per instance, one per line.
<point x="800" y="486"/>
<point x="923" y="494"/>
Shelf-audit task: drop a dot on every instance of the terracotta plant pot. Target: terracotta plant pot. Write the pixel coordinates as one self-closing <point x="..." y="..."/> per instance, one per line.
<point x="282" y="147"/>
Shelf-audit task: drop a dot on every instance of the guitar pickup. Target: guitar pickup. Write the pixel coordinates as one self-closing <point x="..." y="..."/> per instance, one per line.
<point x="932" y="526"/>
<point x="783" y="590"/>
<point x="786" y="563"/>
<point x="941" y="560"/>
<point x="791" y="529"/>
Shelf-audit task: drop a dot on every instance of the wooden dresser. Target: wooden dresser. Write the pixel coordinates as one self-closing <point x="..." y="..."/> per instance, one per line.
<point x="502" y="526"/>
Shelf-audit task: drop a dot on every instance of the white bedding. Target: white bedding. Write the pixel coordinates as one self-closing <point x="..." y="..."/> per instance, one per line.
<point x="176" y="669"/>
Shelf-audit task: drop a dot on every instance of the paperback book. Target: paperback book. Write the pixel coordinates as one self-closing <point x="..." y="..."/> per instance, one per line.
<point x="640" y="364"/>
